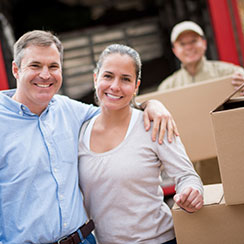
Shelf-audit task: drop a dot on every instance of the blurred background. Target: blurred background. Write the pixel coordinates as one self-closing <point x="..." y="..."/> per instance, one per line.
<point x="86" y="27"/>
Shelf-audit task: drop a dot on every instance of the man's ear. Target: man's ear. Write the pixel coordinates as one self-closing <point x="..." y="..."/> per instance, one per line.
<point x="15" y="70"/>
<point x="174" y="50"/>
<point x="205" y="44"/>
<point x="95" y="80"/>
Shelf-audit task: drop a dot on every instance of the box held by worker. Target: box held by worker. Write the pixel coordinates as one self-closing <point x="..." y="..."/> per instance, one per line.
<point x="190" y="106"/>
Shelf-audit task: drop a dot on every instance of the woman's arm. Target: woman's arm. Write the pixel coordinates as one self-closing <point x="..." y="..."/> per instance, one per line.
<point x="177" y="165"/>
<point x="162" y="120"/>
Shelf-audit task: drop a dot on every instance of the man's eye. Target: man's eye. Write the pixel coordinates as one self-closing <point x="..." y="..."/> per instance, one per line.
<point x="54" y="67"/>
<point x="107" y="76"/>
<point x="34" y="65"/>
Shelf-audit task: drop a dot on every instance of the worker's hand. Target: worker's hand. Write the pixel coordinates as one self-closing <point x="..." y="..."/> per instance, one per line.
<point x="190" y="200"/>
<point x="237" y="81"/>
<point x="162" y="120"/>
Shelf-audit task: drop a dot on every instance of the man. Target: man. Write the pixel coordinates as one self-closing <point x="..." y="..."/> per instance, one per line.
<point x="40" y="200"/>
<point x="189" y="46"/>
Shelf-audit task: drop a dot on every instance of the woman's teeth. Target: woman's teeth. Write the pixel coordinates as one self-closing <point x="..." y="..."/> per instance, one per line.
<point x="112" y="96"/>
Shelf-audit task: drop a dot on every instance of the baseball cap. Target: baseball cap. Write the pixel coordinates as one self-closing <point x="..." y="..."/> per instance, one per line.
<point x="185" y="26"/>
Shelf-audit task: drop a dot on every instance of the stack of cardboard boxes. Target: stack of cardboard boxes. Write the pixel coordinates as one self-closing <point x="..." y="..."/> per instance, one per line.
<point x="221" y="134"/>
<point x="221" y="220"/>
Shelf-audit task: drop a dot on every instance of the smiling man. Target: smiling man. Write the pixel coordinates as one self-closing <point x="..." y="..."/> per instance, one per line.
<point x="39" y="77"/>
<point x="189" y="46"/>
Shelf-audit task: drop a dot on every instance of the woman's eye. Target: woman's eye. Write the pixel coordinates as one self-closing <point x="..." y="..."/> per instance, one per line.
<point x="126" y="79"/>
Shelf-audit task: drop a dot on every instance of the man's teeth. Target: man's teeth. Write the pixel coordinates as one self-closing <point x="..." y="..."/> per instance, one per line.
<point x="43" y="86"/>
<point x="112" y="96"/>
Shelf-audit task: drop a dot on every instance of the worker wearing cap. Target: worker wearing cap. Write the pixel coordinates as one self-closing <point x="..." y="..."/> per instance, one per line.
<point x="189" y="46"/>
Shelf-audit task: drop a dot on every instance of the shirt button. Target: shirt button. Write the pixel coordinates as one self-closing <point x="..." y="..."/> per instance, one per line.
<point x="61" y="197"/>
<point x="65" y="224"/>
<point x="55" y="170"/>
<point x="20" y="113"/>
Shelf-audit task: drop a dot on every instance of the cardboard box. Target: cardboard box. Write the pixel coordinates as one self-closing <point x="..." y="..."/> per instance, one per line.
<point x="208" y="170"/>
<point x="214" y="223"/>
<point x="190" y="106"/>
<point x="228" y="124"/>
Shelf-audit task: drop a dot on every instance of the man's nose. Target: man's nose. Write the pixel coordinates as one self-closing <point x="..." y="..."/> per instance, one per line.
<point x="45" y="74"/>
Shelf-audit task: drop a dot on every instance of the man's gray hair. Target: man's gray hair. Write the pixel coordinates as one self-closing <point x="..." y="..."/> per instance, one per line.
<point x="36" y="38"/>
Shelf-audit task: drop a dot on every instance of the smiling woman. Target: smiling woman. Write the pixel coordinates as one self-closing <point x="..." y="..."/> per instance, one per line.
<point x="116" y="82"/>
<point x="119" y="165"/>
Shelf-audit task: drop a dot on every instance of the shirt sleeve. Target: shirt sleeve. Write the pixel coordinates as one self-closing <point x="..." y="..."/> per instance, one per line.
<point x="81" y="111"/>
<point x="178" y="166"/>
<point x="225" y="68"/>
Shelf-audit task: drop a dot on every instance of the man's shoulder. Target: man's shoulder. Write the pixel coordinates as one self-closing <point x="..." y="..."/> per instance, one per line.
<point x="59" y="98"/>
<point x="223" y="64"/>
<point x="223" y="68"/>
<point x="171" y="81"/>
<point x="69" y="105"/>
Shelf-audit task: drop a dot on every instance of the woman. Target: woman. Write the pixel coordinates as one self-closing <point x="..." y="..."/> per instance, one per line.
<point x="119" y="165"/>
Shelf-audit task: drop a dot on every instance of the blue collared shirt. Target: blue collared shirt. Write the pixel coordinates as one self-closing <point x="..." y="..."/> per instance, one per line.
<point x="40" y="200"/>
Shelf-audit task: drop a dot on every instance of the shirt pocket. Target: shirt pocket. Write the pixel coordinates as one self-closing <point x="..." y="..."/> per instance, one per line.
<point x="66" y="148"/>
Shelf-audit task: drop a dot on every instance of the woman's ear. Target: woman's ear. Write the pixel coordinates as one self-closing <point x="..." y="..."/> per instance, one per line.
<point x="137" y="85"/>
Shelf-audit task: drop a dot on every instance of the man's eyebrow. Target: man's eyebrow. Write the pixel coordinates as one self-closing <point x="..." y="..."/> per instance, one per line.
<point x="126" y="75"/>
<point x="35" y="62"/>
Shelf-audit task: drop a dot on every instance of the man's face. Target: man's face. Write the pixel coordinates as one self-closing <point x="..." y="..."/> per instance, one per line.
<point x="189" y="48"/>
<point x="39" y="76"/>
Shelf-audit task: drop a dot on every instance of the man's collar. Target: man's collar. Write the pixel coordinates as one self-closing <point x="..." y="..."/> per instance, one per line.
<point x="199" y="65"/>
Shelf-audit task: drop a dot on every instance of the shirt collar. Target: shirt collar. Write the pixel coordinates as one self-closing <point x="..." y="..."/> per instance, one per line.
<point x="199" y="66"/>
<point x="16" y="107"/>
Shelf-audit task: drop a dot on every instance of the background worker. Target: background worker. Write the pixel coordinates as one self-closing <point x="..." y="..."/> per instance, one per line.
<point x="189" y="46"/>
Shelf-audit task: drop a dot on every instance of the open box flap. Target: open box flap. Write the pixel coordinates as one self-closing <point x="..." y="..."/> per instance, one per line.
<point x="213" y="194"/>
<point x="228" y="98"/>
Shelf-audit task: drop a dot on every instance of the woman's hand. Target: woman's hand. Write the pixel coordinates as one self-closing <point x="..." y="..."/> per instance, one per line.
<point x="162" y="120"/>
<point x="190" y="200"/>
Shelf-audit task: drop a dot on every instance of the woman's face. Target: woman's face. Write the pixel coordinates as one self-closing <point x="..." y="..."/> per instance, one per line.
<point x="116" y="81"/>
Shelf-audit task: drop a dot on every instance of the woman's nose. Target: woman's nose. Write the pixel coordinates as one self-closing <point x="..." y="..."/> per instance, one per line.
<point x="115" y="84"/>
